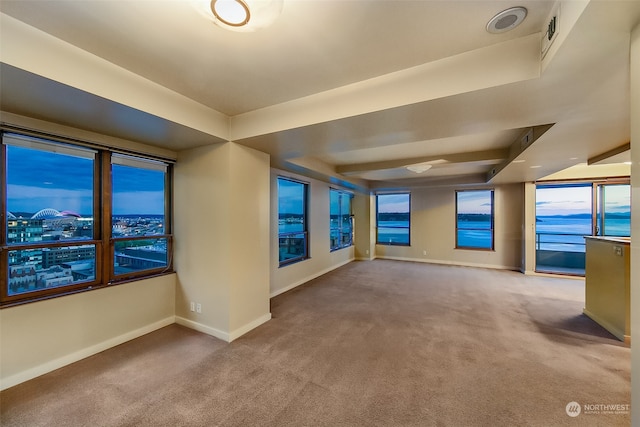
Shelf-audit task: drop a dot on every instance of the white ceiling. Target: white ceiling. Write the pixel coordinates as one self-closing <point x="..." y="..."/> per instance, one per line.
<point x="347" y="90"/>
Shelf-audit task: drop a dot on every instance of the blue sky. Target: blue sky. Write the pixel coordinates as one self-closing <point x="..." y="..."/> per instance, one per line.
<point x="290" y="197"/>
<point x="474" y="202"/>
<point x="393" y="203"/>
<point x="40" y="179"/>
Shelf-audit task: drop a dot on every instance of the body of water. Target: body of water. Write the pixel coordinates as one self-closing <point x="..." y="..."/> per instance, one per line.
<point x="566" y="233"/>
<point x="559" y="233"/>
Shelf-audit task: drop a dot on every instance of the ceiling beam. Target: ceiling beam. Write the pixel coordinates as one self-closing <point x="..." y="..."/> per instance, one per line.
<point x="600" y="157"/>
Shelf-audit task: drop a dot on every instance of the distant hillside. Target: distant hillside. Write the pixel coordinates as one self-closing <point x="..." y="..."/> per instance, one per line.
<point x="393" y="216"/>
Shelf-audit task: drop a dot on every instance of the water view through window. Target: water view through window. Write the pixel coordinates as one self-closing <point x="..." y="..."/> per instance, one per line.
<point x="474" y="219"/>
<point x="393" y="217"/>
<point x="565" y="213"/>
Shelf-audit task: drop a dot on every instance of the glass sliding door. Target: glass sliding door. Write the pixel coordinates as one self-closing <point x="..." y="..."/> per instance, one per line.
<point x="614" y="210"/>
<point x="566" y="212"/>
<point x="563" y="218"/>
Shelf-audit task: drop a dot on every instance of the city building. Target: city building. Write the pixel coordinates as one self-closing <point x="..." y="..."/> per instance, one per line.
<point x="65" y="254"/>
<point x="370" y="97"/>
<point x="21" y="230"/>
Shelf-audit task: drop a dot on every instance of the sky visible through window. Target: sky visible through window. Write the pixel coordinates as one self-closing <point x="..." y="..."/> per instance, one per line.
<point x="474" y="202"/>
<point x="65" y="183"/>
<point x="57" y="181"/>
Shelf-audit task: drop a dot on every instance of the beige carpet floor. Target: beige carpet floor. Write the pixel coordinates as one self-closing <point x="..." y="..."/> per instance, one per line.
<point x="380" y="343"/>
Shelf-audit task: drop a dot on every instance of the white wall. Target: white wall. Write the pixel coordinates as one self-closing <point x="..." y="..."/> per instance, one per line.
<point x="221" y="229"/>
<point x="39" y="337"/>
<point x="433" y="224"/>
<point x="321" y="260"/>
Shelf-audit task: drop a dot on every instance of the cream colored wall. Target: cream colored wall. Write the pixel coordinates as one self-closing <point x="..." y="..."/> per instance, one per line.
<point x="321" y="260"/>
<point x="39" y="337"/>
<point x="635" y="224"/>
<point x="433" y="230"/>
<point x="250" y="206"/>
<point x="363" y="207"/>
<point x="221" y="228"/>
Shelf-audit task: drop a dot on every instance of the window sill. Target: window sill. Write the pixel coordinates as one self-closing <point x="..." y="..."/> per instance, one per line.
<point x="30" y="300"/>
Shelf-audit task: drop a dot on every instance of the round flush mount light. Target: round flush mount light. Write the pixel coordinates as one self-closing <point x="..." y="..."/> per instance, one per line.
<point x="240" y="15"/>
<point x="234" y="13"/>
<point x="507" y="20"/>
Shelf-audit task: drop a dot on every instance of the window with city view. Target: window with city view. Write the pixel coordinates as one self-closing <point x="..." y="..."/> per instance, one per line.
<point x="138" y="219"/>
<point x="340" y="223"/>
<point x="56" y="199"/>
<point x="393" y="213"/>
<point x="474" y="219"/>
<point x="292" y="221"/>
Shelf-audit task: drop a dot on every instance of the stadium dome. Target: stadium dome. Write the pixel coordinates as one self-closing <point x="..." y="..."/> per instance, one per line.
<point x="70" y="213"/>
<point x="47" y="213"/>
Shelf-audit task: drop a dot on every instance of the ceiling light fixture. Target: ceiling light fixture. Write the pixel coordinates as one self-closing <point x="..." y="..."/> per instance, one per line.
<point x="507" y="20"/>
<point x="231" y="12"/>
<point x="240" y="15"/>
<point x="419" y="168"/>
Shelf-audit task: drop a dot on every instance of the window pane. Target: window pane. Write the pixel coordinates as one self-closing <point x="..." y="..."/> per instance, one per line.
<point x="393" y="235"/>
<point x="36" y="269"/>
<point x="563" y="218"/>
<point x="292" y="224"/>
<point x="617" y="210"/>
<point x="340" y="219"/>
<point x="49" y="195"/>
<point x="293" y="246"/>
<point x="335" y="219"/>
<point x="474" y="221"/>
<point x="138" y="255"/>
<point x="393" y="218"/>
<point x="138" y="201"/>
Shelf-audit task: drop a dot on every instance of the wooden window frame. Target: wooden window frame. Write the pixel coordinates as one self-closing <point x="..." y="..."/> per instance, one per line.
<point x="102" y="229"/>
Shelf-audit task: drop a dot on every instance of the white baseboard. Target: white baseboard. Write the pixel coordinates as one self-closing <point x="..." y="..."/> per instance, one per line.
<point x="365" y="258"/>
<point x="249" y="326"/>
<point x="308" y="278"/>
<point x="455" y="263"/>
<point x="82" y="354"/>
<point x="224" y="336"/>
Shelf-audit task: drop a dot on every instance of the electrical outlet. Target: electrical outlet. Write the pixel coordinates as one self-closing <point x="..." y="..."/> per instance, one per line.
<point x="367" y="252"/>
<point x="424" y="252"/>
<point x="193" y="306"/>
<point x="198" y="308"/>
